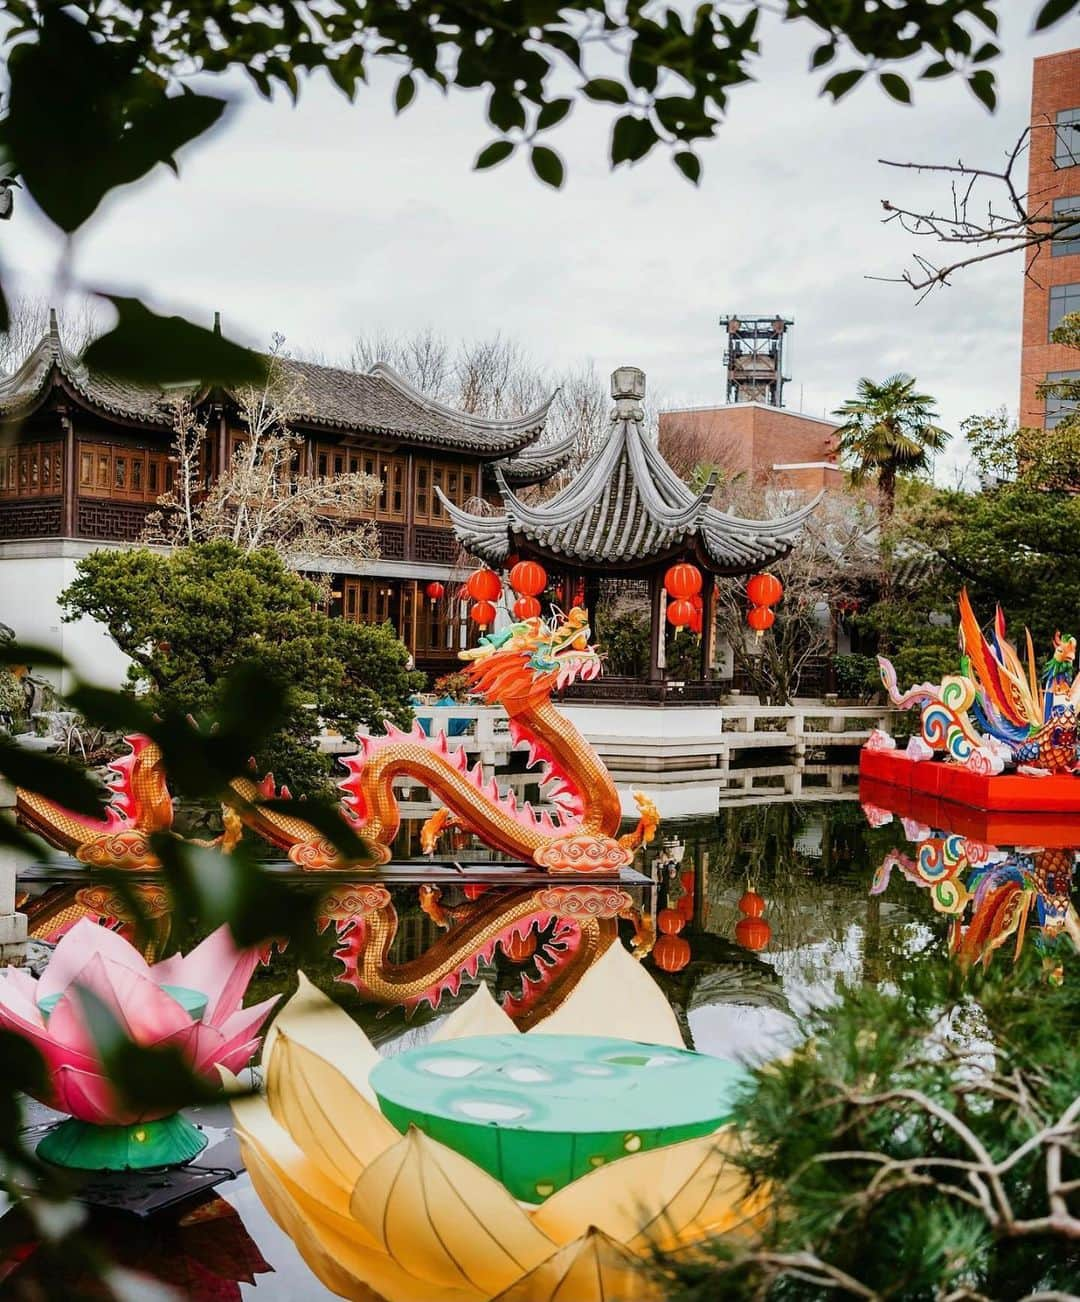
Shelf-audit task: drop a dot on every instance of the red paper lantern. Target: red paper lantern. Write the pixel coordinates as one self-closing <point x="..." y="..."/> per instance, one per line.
<point x="483" y="585"/>
<point x="680" y="612"/>
<point x="760" y="618"/>
<point x="671" y="953"/>
<point x="695" y="624"/>
<point x="526" y="608"/>
<point x="764" y="590"/>
<point x="473" y="890"/>
<point x="670" y="921"/>
<point x="529" y="578"/>
<point x="753" y="933"/>
<point x="683" y="580"/>
<point x="752" y="905"/>
<point x="519" y="949"/>
<point x="434" y="590"/>
<point x="482" y="613"/>
<point x="685" y="907"/>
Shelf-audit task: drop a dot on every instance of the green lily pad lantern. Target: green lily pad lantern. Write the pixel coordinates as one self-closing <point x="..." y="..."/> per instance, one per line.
<point x="539" y="1111"/>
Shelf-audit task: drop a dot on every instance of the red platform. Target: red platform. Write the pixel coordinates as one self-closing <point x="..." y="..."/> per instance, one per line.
<point x="1003" y="792"/>
<point x="1001" y="828"/>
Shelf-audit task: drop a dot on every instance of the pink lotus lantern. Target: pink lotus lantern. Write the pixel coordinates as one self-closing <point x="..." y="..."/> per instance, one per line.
<point x="190" y="1002"/>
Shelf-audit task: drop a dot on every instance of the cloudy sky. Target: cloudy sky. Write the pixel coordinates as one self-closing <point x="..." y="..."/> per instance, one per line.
<point x="327" y="220"/>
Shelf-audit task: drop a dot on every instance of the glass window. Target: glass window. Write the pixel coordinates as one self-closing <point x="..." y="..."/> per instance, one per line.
<point x="120" y="471"/>
<point x="1057" y="407"/>
<point x="103" y="470"/>
<point x="136" y="474"/>
<point x="324" y="465"/>
<point x="1064" y="300"/>
<point x="1067" y="138"/>
<point x="86" y="470"/>
<point x="152" y="475"/>
<point x="46" y="469"/>
<point x="339" y="464"/>
<point x="1067" y="238"/>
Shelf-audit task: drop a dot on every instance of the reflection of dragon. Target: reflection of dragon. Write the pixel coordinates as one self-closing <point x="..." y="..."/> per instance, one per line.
<point x="518" y="669"/>
<point x="558" y="931"/>
<point x="995" y="708"/>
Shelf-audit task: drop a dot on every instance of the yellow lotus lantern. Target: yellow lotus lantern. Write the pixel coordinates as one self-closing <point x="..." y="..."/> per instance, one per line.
<point x="378" y="1215"/>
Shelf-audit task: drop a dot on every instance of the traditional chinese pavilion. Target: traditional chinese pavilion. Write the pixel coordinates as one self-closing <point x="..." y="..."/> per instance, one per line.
<point x="626" y="515"/>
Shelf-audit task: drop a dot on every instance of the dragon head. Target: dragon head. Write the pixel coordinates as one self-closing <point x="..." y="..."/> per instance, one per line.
<point x="523" y="664"/>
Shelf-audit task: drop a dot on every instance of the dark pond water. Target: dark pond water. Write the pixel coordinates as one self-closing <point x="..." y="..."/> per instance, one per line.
<point x="848" y="894"/>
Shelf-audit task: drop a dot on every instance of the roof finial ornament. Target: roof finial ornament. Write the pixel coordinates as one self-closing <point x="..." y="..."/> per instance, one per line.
<point x="54" y="326"/>
<point x="628" y="390"/>
<point x="217" y="323"/>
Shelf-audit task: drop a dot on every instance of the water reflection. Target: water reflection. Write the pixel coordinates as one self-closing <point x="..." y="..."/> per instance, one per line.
<point x="994" y="896"/>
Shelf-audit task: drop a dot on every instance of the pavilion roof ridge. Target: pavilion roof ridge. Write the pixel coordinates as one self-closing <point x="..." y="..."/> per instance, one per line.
<point x="529" y="422"/>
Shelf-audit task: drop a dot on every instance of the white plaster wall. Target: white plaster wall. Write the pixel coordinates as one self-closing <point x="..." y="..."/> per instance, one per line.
<point x="29" y="589"/>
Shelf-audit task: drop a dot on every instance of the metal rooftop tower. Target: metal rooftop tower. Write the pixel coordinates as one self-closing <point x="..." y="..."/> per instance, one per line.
<point x="755" y="358"/>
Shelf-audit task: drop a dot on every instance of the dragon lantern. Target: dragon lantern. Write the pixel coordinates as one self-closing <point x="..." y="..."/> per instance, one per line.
<point x="517" y="668"/>
<point x="995" y="712"/>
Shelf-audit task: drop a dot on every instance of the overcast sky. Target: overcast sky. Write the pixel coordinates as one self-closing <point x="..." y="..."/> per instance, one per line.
<point x="330" y="219"/>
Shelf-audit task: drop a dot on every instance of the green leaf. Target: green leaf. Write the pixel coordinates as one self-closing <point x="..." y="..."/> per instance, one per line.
<point x="631" y="139"/>
<point x="606" y="90"/>
<point x="52" y="778"/>
<point x="406" y="91"/>
<point x="167" y="350"/>
<point x="552" y="113"/>
<point x="984" y="52"/>
<point x="840" y="83"/>
<point x="216" y="888"/>
<point x="689" y="164"/>
<point x="982" y="87"/>
<point x="547" y="165"/>
<point x="497" y="152"/>
<point x="107" y="123"/>
<point x="116" y="711"/>
<point x="505" y="110"/>
<point x="822" y="55"/>
<point x="939" y="68"/>
<point x="24" y="653"/>
<point x="1053" y="11"/>
<point x="895" y="86"/>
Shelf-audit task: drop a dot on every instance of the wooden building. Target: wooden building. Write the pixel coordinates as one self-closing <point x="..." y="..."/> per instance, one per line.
<point x="84" y="458"/>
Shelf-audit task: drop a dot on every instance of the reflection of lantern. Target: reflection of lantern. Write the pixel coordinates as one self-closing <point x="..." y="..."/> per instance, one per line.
<point x="526" y="608"/>
<point x="764" y="590"/>
<point x="483" y="585"/>
<point x="683" y="580"/>
<point x="434" y="590"/>
<point x="680" y="612"/>
<point x="671" y="953"/>
<point x="519" y="949"/>
<point x="528" y="578"/>
<point x="482" y="613"/>
<point x="752" y="905"/>
<point x="473" y="890"/>
<point x="670" y="921"/>
<point x="760" y="618"/>
<point x="753" y="933"/>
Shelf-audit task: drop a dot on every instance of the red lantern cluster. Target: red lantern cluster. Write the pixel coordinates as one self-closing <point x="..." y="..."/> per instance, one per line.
<point x="752" y="931"/>
<point x="763" y="591"/>
<point x="434" y="590"/>
<point x="528" y="578"/>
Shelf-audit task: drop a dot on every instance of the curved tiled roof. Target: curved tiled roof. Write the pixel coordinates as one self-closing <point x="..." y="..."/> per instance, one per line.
<point x="536" y="463"/>
<point x="379" y="402"/>
<point x="624" y="507"/>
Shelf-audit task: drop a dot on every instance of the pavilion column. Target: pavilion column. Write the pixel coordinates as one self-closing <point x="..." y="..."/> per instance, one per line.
<point x="708" y="626"/>
<point x="656" y="628"/>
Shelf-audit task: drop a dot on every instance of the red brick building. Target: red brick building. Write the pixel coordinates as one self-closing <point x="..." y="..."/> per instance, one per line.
<point x="759" y="440"/>
<point x="1052" y="285"/>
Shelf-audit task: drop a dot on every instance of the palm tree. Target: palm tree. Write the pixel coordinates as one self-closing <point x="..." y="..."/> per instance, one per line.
<point x="888" y="430"/>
